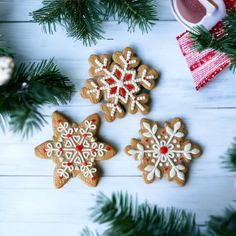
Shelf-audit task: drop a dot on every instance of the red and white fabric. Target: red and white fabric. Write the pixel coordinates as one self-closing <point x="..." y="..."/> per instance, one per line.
<point x="205" y="65"/>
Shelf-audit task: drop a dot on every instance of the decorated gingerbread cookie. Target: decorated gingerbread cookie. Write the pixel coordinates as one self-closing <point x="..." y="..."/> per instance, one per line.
<point x="163" y="151"/>
<point x="119" y="81"/>
<point x="75" y="150"/>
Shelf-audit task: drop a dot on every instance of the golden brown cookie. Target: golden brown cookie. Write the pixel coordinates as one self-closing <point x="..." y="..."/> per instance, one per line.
<point x="163" y="151"/>
<point x="119" y="81"/>
<point x="75" y="149"/>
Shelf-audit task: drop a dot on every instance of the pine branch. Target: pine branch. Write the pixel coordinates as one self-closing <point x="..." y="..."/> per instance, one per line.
<point x="224" y="225"/>
<point x="31" y="86"/>
<point x="124" y="216"/>
<point x="226" y="43"/>
<point x="230" y="158"/>
<point x="141" y="13"/>
<point x="82" y="19"/>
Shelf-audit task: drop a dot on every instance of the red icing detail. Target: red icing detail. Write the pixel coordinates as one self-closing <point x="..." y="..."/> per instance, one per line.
<point x="110" y="81"/>
<point x="115" y="105"/>
<point x="166" y="169"/>
<point x="118" y="74"/>
<point x="113" y="90"/>
<point x="68" y="135"/>
<point x="163" y="150"/>
<point x="44" y="151"/>
<point x="148" y="160"/>
<point x="79" y="148"/>
<point x="93" y="178"/>
<point x="144" y="78"/>
<point x="163" y="132"/>
<point x="69" y="163"/>
<point x="129" y="86"/>
<point x="181" y="158"/>
<point x="127" y="61"/>
<point x="93" y="150"/>
<point x="103" y="67"/>
<point x="128" y="77"/>
<point x="122" y="92"/>
<point x="135" y="99"/>
<point x="60" y="177"/>
<point x="85" y="163"/>
<point x="84" y="135"/>
<point x="98" y="88"/>
<point x="60" y="149"/>
<point x="93" y="120"/>
<point x="108" y="148"/>
<point x="58" y="122"/>
<point x="146" y="140"/>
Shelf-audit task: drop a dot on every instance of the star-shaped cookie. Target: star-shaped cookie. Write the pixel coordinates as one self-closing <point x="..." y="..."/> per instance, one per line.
<point x="75" y="149"/>
<point x="163" y="151"/>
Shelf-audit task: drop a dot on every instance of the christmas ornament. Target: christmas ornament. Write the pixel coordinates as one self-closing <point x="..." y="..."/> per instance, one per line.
<point x="163" y="151"/>
<point x="6" y="69"/>
<point x="208" y="52"/>
<point x="75" y="150"/>
<point x="119" y="82"/>
<point x="83" y="19"/>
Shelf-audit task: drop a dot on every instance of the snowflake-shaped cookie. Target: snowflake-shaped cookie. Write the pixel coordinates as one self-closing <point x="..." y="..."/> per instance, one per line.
<point x="75" y="149"/>
<point x="163" y="151"/>
<point x="119" y="82"/>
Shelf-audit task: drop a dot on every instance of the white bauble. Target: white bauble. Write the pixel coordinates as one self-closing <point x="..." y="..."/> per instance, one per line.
<point x="6" y="69"/>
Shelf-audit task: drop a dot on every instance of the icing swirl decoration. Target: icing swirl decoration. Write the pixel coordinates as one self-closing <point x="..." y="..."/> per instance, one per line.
<point x="163" y="151"/>
<point x="75" y="150"/>
<point x="119" y="83"/>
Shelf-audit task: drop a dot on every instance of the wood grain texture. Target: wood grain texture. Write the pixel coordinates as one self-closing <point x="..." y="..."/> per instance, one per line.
<point x="30" y="205"/>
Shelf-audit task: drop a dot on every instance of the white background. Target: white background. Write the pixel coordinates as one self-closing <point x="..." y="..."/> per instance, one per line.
<point x="30" y="204"/>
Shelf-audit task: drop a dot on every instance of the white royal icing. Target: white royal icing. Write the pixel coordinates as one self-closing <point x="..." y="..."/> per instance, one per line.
<point x="76" y="152"/>
<point x="121" y="84"/>
<point x="164" y="151"/>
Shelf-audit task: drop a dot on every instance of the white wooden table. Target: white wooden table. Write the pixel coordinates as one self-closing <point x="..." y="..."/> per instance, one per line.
<point x="29" y="203"/>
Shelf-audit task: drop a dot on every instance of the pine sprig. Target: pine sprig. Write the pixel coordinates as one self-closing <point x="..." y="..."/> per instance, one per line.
<point x="226" y="43"/>
<point x="83" y="19"/>
<point x="229" y="159"/>
<point x="124" y="216"/>
<point x="134" y="13"/>
<point x="224" y="225"/>
<point x="32" y="86"/>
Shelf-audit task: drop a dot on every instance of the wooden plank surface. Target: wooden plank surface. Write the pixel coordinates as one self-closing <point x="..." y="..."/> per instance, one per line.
<point x="29" y="203"/>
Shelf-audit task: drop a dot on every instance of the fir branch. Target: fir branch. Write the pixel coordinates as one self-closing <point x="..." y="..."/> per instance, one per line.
<point x="224" y="225"/>
<point x="124" y="216"/>
<point x="141" y="13"/>
<point x="31" y="86"/>
<point x="230" y="157"/>
<point x="226" y="43"/>
<point x="82" y="19"/>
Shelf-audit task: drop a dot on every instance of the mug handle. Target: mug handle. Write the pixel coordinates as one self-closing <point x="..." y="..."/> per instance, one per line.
<point x="210" y="5"/>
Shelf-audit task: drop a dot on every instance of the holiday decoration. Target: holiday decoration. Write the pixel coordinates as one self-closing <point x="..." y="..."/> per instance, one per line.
<point x="122" y="215"/>
<point x="208" y="53"/>
<point x="6" y="69"/>
<point x="163" y="151"/>
<point x="31" y="86"/>
<point x="119" y="82"/>
<point x="229" y="159"/>
<point x="75" y="149"/>
<point x="83" y="19"/>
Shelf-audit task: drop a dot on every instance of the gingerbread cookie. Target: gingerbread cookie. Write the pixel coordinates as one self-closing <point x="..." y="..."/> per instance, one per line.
<point x="119" y="81"/>
<point x="163" y="151"/>
<point x="75" y="149"/>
